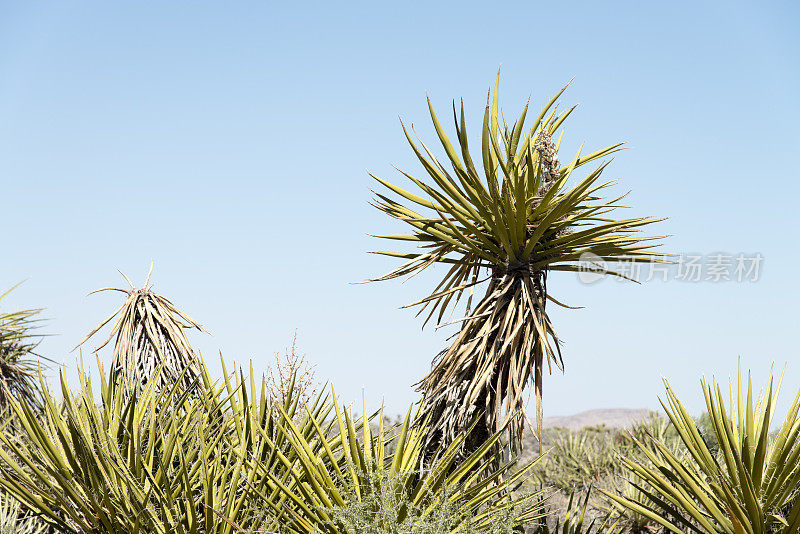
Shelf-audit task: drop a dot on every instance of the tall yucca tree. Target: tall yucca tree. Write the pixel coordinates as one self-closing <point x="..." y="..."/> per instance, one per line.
<point x="149" y="333"/>
<point x="503" y="225"/>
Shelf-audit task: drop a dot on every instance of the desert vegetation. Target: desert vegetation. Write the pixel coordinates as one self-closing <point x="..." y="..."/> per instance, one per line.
<point x="156" y="444"/>
<point x="503" y="228"/>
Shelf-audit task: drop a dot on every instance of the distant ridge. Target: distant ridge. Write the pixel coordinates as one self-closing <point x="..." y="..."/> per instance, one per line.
<point x="611" y="417"/>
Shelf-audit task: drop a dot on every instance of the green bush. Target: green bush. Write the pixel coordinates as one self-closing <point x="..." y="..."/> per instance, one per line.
<point x="347" y="481"/>
<point x="376" y="512"/>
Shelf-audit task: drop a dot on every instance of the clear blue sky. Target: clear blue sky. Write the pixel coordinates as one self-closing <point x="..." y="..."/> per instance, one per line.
<point x="229" y="142"/>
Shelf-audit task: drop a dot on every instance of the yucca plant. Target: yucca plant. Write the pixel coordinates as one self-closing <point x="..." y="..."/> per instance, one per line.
<point x="344" y="480"/>
<point x="647" y="432"/>
<point x="632" y="521"/>
<point x="504" y="225"/>
<point x="149" y="333"/>
<point x="651" y="428"/>
<point x="571" y="521"/>
<point x="196" y="465"/>
<point x="18" y="362"/>
<point x="577" y="461"/>
<point x="751" y="485"/>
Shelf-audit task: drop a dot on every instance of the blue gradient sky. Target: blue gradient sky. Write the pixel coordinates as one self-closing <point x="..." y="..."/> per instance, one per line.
<point x="229" y="143"/>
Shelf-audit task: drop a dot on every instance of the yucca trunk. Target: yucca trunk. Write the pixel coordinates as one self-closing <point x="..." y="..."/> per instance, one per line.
<point x="500" y="347"/>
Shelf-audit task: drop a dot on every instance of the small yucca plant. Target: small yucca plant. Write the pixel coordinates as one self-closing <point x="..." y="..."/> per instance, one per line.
<point x="149" y="334"/>
<point x="18" y="362"/>
<point x="751" y="485"/>
<point x="578" y="460"/>
<point x="505" y="225"/>
<point x="572" y="520"/>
